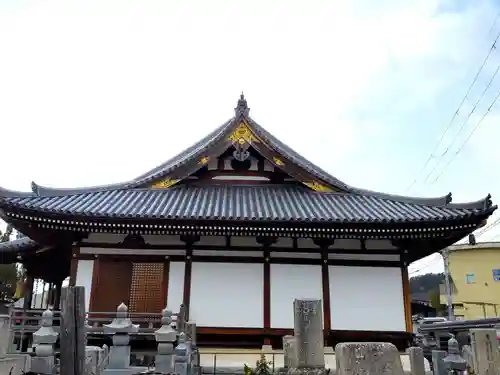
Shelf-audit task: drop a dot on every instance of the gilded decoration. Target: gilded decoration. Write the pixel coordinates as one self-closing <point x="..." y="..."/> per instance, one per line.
<point x="204" y="160"/>
<point x="165" y="183"/>
<point x="243" y="135"/>
<point x="278" y="161"/>
<point x="316" y="186"/>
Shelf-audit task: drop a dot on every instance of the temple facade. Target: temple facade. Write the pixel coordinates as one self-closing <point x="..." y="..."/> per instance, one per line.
<point x="235" y="228"/>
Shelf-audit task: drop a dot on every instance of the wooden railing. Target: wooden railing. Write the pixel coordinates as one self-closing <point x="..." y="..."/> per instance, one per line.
<point x="23" y="323"/>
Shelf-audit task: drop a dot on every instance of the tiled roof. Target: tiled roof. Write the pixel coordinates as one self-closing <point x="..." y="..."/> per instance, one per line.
<point x="9" y="250"/>
<point x="240" y="203"/>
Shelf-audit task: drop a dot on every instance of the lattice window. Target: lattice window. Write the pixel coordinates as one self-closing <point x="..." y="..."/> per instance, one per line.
<point x="146" y="294"/>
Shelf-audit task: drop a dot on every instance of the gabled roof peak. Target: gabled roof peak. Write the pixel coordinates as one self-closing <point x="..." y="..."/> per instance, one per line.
<point x="242" y="107"/>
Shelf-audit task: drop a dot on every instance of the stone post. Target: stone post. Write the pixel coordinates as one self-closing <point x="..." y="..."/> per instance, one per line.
<point x="181" y="366"/>
<point x="191" y="332"/>
<point x="289" y="352"/>
<point x="165" y="337"/>
<point x="195" y="353"/>
<point x="437" y="362"/>
<point x="308" y="332"/>
<point x="417" y="360"/>
<point x="181" y="319"/>
<point x="454" y="361"/>
<point x="469" y="358"/>
<point x="44" y="339"/>
<point x="121" y="327"/>
<point x="486" y="358"/>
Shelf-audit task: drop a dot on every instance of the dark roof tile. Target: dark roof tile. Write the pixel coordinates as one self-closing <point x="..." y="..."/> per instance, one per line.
<point x="237" y="202"/>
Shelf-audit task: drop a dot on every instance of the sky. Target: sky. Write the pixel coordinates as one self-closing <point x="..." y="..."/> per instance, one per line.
<point x="98" y="92"/>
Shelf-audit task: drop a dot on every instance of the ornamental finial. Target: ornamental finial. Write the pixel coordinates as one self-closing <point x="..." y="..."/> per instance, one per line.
<point x="242" y="107"/>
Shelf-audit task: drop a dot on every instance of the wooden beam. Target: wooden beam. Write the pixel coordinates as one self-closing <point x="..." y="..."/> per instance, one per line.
<point x="407" y="298"/>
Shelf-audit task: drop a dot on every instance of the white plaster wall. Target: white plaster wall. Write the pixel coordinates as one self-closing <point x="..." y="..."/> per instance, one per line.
<point x="227" y="295"/>
<point x="84" y="272"/>
<point x="289" y="282"/>
<point x="366" y="298"/>
<point x="175" y="285"/>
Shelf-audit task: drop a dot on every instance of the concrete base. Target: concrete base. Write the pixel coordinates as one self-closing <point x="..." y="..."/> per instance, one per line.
<point x="308" y="371"/>
<point x="126" y="371"/>
<point x="19" y="364"/>
<point x="231" y="361"/>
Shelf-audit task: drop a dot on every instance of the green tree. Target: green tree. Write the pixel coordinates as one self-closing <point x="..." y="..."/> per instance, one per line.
<point x="8" y="272"/>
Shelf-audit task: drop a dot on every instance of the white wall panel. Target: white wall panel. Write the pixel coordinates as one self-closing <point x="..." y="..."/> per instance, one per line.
<point x="84" y="273"/>
<point x="366" y="298"/>
<point x="227" y="295"/>
<point x="289" y="282"/>
<point x="175" y="285"/>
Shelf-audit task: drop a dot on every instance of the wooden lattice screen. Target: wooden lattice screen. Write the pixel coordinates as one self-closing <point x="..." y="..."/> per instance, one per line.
<point x="146" y="289"/>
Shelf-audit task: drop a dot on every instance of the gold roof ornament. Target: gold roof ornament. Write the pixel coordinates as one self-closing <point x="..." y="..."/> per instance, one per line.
<point x="278" y="161"/>
<point x="316" y="186"/>
<point x="204" y="160"/>
<point x="243" y="135"/>
<point x="165" y="183"/>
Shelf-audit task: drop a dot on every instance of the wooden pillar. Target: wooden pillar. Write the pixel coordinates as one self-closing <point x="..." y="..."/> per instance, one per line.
<point x="57" y="295"/>
<point x="407" y="298"/>
<point x="266" y="243"/>
<point x="74" y="266"/>
<point x="28" y="292"/>
<point x="188" y="270"/>
<point x="164" y="282"/>
<point x="324" y="244"/>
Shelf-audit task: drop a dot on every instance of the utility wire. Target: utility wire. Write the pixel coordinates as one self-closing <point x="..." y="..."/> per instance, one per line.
<point x="426" y="265"/>
<point x="494" y="24"/>
<point x="489" y="227"/>
<point x="462" y="146"/>
<point x="464" y="123"/>
<point x="455" y="114"/>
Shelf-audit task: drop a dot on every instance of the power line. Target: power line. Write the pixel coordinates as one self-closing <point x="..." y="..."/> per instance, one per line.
<point x="426" y="265"/>
<point x="488" y="227"/>
<point x="455" y="114"/>
<point x="465" y="122"/>
<point x="474" y="129"/>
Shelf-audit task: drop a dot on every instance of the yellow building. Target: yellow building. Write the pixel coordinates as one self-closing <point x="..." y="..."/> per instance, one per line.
<point x="475" y="280"/>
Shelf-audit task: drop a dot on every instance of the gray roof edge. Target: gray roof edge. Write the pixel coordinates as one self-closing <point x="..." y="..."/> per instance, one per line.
<point x="6" y="193"/>
<point x="482" y="204"/>
<point x="43" y="191"/>
<point x="18" y="244"/>
<point x="425" y="201"/>
<point x="163" y="169"/>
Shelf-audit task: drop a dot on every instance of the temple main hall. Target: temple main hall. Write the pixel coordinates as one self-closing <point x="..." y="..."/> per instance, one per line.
<point x="235" y="228"/>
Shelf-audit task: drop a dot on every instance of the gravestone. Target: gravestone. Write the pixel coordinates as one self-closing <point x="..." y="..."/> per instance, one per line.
<point x="437" y="362"/>
<point x="44" y="339"/>
<point x="289" y="352"/>
<point x="165" y="337"/>
<point x="417" y="360"/>
<point x="454" y="362"/>
<point x="374" y="358"/>
<point x="486" y="358"/>
<point x="467" y="355"/>
<point x="119" y="355"/>
<point x="308" y="332"/>
<point x="181" y="363"/>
